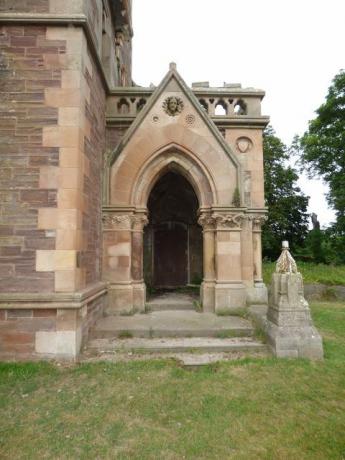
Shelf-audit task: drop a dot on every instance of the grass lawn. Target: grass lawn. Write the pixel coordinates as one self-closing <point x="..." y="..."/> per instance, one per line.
<point x="312" y="273"/>
<point x="247" y="409"/>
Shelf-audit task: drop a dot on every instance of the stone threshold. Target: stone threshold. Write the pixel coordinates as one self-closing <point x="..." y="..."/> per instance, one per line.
<point x="66" y="300"/>
<point x="176" y="345"/>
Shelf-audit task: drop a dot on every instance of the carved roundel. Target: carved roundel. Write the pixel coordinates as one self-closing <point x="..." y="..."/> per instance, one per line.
<point x="244" y="144"/>
<point x="173" y="106"/>
<point x="190" y="119"/>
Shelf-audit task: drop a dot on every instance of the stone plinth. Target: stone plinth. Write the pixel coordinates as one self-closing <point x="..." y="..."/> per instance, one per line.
<point x="290" y="329"/>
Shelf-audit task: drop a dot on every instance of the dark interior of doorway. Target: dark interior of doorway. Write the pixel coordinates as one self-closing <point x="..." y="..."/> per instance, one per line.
<point x="173" y="239"/>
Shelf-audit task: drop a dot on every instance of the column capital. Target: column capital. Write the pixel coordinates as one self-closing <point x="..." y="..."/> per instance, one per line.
<point x="207" y="221"/>
<point x="139" y="221"/>
<point x="257" y="221"/>
<point x="229" y="220"/>
<point x="114" y="221"/>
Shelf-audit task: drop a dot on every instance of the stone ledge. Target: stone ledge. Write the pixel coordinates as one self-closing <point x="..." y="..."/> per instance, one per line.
<point x="73" y="300"/>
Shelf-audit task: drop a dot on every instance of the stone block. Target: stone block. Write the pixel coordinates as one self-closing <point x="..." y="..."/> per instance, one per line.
<point x="45" y="260"/>
<point x="229" y="297"/>
<point x="257" y="294"/>
<point x="139" y="297"/>
<point x="50" y="260"/>
<point x="120" y="300"/>
<point x="60" y="344"/>
<point x="207" y="296"/>
<point x="65" y="281"/>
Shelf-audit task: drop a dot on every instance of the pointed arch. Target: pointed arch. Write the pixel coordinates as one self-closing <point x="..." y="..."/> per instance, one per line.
<point x="178" y="159"/>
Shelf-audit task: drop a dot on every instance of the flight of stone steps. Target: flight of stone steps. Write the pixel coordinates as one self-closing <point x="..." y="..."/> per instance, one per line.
<point x="172" y="324"/>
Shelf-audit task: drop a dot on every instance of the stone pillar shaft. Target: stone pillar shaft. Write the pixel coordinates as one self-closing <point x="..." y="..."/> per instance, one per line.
<point x="117" y="254"/>
<point x="207" y="286"/>
<point x="139" y="220"/>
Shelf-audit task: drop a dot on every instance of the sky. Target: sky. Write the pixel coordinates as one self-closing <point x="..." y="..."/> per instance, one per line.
<point x="291" y="49"/>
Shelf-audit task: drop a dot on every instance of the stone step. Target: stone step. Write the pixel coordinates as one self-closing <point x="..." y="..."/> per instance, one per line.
<point x="171" y="324"/>
<point x="171" y="301"/>
<point x="176" y="345"/>
<point x="150" y="306"/>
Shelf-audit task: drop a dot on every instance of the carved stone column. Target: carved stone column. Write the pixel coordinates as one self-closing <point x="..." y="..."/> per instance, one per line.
<point x="257" y="221"/>
<point x="258" y="294"/>
<point x="117" y="254"/>
<point x="230" y="293"/>
<point x="207" y="287"/>
<point x="139" y="220"/>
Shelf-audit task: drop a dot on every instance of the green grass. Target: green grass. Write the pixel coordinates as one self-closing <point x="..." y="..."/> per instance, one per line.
<point x="246" y="409"/>
<point x="312" y="273"/>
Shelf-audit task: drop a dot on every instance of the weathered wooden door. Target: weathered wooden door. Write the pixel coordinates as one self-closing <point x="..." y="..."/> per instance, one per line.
<point x="170" y="255"/>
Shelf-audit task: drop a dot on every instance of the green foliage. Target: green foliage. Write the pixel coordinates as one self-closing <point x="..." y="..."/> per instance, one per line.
<point x="322" y="151"/>
<point x="314" y="243"/>
<point x="323" y="146"/>
<point x="287" y="205"/>
<point x="312" y="273"/>
<point x="249" y="408"/>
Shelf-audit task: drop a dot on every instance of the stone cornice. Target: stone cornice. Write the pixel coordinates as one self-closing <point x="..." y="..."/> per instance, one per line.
<point x="229" y="91"/>
<point x="220" y="121"/>
<point x="25" y="300"/>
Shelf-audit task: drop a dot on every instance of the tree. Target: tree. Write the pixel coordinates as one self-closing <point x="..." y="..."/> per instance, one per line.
<point x="322" y="148"/>
<point x="287" y="205"/>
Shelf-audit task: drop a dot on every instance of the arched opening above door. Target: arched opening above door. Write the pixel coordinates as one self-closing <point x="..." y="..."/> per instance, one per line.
<point x="173" y="250"/>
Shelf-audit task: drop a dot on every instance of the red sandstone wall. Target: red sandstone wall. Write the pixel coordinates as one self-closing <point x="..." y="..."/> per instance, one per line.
<point x="114" y="136"/>
<point x="25" y="73"/>
<point x="31" y="64"/>
<point x="24" y="6"/>
<point x="94" y="149"/>
<point x="18" y="329"/>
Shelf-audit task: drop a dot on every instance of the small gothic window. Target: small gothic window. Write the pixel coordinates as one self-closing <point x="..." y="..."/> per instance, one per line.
<point x="123" y="106"/>
<point x="140" y="104"/>
<point x="221" y="108"/>
<point x="240" y="107"/>
<point x="204" y="104"/>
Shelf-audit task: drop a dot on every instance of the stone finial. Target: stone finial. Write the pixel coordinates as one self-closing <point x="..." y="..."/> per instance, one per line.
<point x="286" y="263"/>
<point x="172" y="66"/>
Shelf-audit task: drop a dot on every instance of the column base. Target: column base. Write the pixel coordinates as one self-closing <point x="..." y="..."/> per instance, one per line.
<point x="139" y="297"/>
<point x="207" y="296"/>
<point x="120" y="299"/>
<point x="229" y="297"/>
<point x="257" y="295"/>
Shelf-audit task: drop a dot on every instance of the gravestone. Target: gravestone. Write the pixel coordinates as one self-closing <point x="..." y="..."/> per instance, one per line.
<point x="290" y="328"/>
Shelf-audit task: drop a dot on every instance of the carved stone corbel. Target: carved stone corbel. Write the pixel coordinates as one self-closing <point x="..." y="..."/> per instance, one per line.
<point x="116" y="221"/>
<point x="229" y="221"/>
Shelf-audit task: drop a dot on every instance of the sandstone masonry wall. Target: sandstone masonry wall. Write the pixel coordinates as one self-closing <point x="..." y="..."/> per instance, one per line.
<point x="26" y="72"/>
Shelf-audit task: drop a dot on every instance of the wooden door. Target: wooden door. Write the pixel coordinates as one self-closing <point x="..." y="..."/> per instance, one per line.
<point x="170" y="255"/>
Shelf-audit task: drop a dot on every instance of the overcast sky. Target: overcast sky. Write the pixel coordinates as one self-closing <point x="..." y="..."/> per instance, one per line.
<point x="291" y="49"/>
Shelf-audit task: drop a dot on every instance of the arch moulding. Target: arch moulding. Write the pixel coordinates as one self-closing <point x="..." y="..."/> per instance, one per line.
<point x="178" y="159"/>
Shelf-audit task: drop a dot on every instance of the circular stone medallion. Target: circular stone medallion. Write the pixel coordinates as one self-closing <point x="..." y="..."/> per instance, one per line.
<point x="244" y="144"/>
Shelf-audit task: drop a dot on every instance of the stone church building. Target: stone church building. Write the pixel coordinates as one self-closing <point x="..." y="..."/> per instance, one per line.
<point x="110" y="190"/>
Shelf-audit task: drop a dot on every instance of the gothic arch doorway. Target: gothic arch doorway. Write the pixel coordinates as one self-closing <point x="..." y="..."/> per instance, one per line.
<point x="173" y="242"/>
